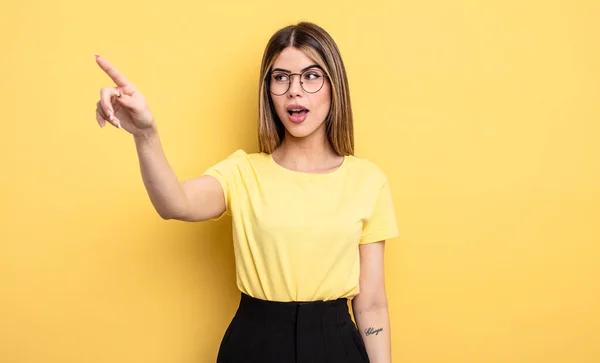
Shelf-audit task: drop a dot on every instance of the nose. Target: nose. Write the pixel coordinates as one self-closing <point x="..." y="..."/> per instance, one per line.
<point x="295" y="87"/>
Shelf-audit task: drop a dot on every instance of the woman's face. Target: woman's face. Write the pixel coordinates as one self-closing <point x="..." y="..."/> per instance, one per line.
<point x="314" y="106"/>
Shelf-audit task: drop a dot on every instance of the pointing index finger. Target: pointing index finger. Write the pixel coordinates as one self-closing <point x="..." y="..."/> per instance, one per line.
<point x="112" y="72"/>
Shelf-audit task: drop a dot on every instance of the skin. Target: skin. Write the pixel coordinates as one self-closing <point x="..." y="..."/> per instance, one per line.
<point x="294" y="60"/>
<point x="370" y="306"/>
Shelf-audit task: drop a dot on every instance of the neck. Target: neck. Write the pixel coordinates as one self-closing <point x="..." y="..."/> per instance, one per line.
<point x="311" y="153"/>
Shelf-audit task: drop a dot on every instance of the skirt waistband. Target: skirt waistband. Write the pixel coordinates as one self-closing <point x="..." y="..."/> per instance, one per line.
<point x="249" y="300"/>
<point x="329" y="312"/>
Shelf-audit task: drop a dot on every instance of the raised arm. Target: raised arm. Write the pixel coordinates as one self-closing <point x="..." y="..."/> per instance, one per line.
<point x="124" y="107"/>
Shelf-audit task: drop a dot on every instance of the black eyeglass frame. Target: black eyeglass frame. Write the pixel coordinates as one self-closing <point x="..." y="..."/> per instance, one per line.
<point x="289" y="75"/>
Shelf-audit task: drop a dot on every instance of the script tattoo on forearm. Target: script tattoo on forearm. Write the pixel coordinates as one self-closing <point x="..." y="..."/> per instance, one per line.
<point x="372" y="331"/>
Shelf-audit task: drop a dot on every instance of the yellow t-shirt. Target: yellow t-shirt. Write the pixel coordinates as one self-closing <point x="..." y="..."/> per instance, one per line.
<point x="296" y="234"/>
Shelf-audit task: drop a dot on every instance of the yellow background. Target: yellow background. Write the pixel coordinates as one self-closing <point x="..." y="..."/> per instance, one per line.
<point x="484" y="114"/>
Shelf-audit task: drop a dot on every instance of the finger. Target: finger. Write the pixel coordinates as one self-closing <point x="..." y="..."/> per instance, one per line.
<point x="123" y="99"/>
<point x="106" y="116"/>
<point x="100" y="111"/>
<point x="100" y="119"/>
<point x="107" y="94"/>
<point x="112" y="72"/>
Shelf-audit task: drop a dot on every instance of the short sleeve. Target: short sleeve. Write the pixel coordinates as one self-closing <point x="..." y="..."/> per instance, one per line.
<point x="226" y="172"/>
<point x="381" y="224"/>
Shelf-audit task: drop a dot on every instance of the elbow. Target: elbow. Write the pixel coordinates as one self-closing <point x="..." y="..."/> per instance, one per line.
<point x="165" y="215"/>
<point x="171" y="214"/>
<point x="371" y="301"/>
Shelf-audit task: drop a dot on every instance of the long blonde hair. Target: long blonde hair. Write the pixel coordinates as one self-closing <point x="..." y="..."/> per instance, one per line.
<point x="318" y="45"/>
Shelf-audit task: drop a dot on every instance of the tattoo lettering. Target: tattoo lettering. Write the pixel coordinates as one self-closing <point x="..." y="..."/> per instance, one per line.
<point x="372" y="331"/>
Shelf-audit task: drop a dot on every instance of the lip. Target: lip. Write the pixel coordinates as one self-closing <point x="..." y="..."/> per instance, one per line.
<point x="297" y="119"/>
<point x="295" y="105"/>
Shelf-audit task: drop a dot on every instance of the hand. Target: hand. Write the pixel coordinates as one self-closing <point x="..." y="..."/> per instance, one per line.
<point x="122" y="106"/>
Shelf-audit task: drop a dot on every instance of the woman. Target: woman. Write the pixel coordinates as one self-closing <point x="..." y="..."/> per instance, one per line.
<point x="309" y="218"/>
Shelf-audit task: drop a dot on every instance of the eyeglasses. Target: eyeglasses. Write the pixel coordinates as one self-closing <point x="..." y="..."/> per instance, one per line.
<point x="311" y="81"/>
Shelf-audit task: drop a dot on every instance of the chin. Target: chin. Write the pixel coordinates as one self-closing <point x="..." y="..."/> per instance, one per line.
<point x="303" y="129"/>
<point x="299" y="134"/>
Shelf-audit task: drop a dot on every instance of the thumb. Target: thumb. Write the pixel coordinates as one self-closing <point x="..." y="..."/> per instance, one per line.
<point x="123" y="99"/>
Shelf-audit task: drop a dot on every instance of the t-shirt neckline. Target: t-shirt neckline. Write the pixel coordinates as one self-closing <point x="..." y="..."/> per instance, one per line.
<point x="316" y="175"/>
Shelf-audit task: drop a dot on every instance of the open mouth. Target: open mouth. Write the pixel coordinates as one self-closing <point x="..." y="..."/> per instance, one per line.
<point x="297" y="111"/>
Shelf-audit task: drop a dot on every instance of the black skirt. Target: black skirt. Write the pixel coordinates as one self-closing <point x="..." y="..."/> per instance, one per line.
<point x="292" y="332"/>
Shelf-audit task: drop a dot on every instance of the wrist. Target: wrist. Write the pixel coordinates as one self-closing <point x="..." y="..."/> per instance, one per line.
<point x="147" y="134"/>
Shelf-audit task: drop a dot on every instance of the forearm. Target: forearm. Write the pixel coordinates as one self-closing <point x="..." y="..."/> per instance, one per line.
<point x="162" y="185"/>
<point x="374" y="326"/>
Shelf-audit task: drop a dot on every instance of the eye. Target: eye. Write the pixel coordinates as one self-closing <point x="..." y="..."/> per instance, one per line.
<point x="312" y="75"/>
<point x="280" y="77"/>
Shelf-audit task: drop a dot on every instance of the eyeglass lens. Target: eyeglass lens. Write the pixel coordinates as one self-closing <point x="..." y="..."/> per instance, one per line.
<point x="311" y="81"/>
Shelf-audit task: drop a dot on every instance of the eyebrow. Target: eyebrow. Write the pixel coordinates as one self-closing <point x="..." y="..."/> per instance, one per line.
<point x="303" y="69"/>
